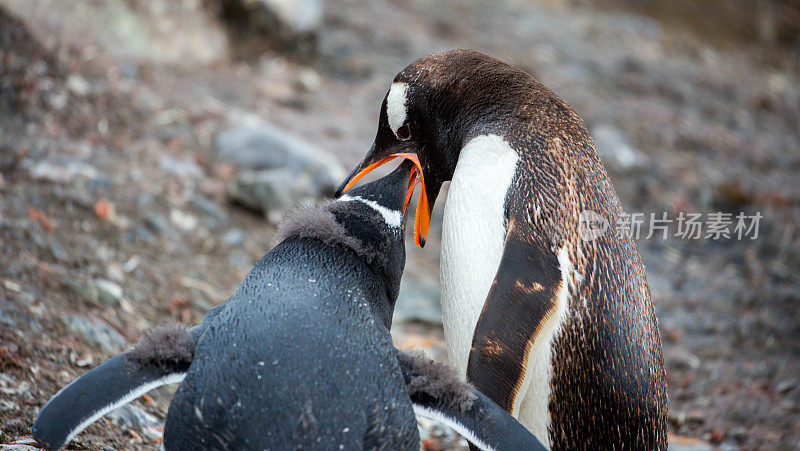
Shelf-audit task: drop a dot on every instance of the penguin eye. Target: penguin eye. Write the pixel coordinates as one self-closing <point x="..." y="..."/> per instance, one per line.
<point x="404" y="133"/>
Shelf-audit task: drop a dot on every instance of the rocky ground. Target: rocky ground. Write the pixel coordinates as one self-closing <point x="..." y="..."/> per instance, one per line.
<point x="135" y="187"/>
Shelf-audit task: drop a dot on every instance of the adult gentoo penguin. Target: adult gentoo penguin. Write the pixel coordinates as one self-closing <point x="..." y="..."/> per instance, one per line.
<point x="300" y="356"/>
<point x="558" y="330"/>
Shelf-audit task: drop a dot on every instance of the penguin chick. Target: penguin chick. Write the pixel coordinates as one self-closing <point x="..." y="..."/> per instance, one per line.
<point x="300" y="356"/>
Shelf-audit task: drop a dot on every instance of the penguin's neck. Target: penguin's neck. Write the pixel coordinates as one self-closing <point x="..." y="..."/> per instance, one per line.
<point x="473" y="236"/>
<point x="377" y="234"/>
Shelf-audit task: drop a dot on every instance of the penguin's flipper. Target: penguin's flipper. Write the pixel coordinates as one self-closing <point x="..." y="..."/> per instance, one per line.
<point x="521" y="307"/>
<point x="161" y="357"/>
<point x="439" y="394"/>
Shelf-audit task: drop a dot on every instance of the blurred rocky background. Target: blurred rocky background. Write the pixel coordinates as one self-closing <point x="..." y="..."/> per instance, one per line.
<point x="148" y="148"/>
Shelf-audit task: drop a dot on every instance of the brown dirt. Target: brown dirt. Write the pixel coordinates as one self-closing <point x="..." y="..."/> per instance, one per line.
<point x="718" y="126"/>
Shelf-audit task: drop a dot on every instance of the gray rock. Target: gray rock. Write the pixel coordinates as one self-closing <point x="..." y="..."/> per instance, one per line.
<point x="681" y="359"/>
<point x="19" y="447"/>
<point x="159" y="225"/>
<point x="106" y="291"/>
<point x="7" y="405"/>
<point x="97" y="332"/>
<point x="10" y="386"/>
<point x="241" y="259"/>
<point x="615" y="152"/>
<point x="233" y="237"/>
<point x="58" y="251"/>
<point x="63" y="171"/>
<point x="210" y="208"/>
<point x="260" y="145"/>
<point x="308" y="80"/>
<point x="182" y="220"/>
<point x="303" y="16"/>
<point x="690" y="445"/>
<point x="131" y="417"/>
<point x="77" y="287"/>
<point x="142" y="234"/>
<point x="786" y="385"/>
<point x="78" y="85"/>
<point x="184" y="169"/>
<point x="272" y="192"/>
<point x="418" y="300"/>
<point x="293" y="23"/>
<point x="143" y="201"/>
<point x="5" y="318"/>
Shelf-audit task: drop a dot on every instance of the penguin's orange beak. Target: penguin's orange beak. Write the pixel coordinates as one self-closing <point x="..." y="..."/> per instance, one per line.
<point x="422" y="220"/>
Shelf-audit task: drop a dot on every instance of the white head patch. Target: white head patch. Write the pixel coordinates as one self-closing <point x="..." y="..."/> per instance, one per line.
<point x="396" y="106"/>
<point x="392" y="218"/>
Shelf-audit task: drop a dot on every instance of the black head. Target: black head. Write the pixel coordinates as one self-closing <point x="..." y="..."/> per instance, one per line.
<point x="374" y="214"/>
<point x="433" y="107"/>
<point x="369" y="219"/>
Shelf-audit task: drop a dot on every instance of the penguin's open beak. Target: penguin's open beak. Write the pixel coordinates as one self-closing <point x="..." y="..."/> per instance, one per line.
<point x="422" y="220"/>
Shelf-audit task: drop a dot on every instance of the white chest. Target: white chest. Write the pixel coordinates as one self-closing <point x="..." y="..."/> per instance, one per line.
<point x="473" y="236"/>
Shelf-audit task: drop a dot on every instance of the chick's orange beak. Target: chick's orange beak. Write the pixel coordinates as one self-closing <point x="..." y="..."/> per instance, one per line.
<point x="422" y="220"/>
